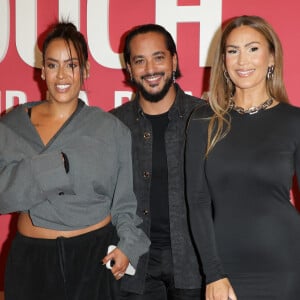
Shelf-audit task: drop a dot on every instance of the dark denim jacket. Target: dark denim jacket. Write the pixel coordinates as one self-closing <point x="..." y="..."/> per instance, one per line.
<point x="186" y="267"/>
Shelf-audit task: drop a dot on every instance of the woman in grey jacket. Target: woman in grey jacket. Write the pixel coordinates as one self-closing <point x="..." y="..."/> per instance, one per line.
<point x="66" y="167"/>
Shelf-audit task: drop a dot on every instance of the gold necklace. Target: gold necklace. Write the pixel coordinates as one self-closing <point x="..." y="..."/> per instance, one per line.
<point x="252" y="110"/>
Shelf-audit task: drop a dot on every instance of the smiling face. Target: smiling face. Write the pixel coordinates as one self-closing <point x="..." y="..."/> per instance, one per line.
<point x="247" y="58"/>
<point x="151" y="65"/>
<point x="61" y="71"/>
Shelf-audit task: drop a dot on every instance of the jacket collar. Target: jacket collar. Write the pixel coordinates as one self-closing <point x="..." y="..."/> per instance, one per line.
<point x="177" y="110"/>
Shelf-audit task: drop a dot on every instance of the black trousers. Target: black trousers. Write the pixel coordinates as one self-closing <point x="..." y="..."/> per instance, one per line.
<point x="61" y="269"/>
<point x="159" y="284"/>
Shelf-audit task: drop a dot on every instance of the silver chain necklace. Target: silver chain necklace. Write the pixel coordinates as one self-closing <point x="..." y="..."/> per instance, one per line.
<point x="252" y="110"/>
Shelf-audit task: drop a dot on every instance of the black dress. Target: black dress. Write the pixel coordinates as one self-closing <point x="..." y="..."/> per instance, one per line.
<point x="242" y="220"/>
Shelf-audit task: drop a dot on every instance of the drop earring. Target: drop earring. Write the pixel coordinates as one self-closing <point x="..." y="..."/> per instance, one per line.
<point x="226" y="75"/>
<point x="270" y="72"/>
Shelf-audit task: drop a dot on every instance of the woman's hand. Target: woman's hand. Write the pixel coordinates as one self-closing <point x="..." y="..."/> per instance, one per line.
<point x="120" y="260"/>
<point x="220" y="290"/>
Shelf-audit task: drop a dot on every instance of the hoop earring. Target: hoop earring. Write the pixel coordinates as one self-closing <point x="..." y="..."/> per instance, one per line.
<point x="270" y="72"/>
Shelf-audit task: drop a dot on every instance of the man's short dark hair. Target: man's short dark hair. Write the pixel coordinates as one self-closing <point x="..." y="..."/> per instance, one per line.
<point x="145" y="28"/>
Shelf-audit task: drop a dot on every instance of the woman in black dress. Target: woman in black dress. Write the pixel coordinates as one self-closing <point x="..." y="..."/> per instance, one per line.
<point x="242" y="152"/>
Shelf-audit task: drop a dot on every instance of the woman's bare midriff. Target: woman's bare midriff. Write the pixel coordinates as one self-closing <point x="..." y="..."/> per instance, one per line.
<point x="26" y="228"/>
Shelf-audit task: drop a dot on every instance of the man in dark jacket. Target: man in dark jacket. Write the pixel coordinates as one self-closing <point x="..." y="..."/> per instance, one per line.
<point x="157" y="118"/>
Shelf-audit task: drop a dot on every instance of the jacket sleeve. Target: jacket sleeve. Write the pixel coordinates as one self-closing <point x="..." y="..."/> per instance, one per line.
<point x="24" y="175"/>
<point x="199" y="201"/>
<point x="133" y="241"/>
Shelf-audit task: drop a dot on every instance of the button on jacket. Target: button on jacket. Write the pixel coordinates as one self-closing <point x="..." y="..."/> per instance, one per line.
<point x="186" y="267"/>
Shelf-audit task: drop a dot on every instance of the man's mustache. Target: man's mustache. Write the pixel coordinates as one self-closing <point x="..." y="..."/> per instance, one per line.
<point x="153" y="74"/>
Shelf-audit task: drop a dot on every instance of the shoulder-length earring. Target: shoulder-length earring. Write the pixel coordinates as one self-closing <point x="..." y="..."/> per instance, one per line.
<point x="270" y="72"/>
<point x="226" y="75"/>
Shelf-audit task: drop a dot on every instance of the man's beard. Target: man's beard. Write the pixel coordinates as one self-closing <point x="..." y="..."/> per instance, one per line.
<point x="154" y="97"/>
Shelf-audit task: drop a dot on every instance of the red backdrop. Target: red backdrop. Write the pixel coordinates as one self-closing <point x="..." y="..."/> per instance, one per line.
<point x="192" y="22"/>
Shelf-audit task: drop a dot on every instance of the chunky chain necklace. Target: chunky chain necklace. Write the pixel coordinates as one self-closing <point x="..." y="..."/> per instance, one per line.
<point x="252" y="110"/>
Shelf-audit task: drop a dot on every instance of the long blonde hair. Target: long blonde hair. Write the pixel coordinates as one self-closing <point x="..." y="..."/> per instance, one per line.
<point x="222" y="88"/>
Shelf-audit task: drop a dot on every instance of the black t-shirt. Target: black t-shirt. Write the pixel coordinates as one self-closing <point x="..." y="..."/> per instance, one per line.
<point x="159" y="198"/>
